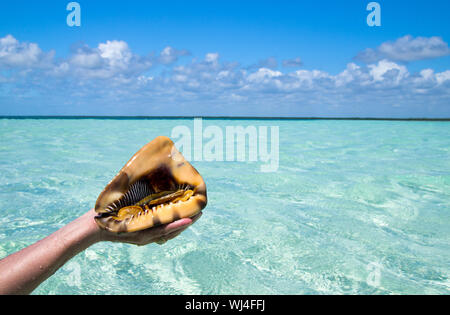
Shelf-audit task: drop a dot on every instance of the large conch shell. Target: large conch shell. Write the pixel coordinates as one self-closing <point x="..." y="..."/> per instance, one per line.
<point x="157" y="186"/>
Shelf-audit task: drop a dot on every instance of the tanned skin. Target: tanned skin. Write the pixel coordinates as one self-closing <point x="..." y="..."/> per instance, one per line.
<point x="24" y="271"/>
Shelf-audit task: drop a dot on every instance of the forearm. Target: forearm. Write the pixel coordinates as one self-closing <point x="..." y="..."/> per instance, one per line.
<point x="22" y="272"/>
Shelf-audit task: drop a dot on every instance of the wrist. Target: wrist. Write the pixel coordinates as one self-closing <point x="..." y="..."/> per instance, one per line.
<point x="97" y="234"/>
<point x="94" y="233"/>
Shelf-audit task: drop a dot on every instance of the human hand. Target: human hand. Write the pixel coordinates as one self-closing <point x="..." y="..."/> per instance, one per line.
<point x="160" y="234"/>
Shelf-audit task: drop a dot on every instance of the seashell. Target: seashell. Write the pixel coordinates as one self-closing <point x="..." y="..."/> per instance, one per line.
<point x="157" y="186"/>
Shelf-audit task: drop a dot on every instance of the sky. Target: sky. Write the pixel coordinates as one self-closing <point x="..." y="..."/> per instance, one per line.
<point x="225" y="58"/>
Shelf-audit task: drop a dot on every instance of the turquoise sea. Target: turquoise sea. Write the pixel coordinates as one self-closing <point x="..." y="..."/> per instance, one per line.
<point x="356" y="207"/>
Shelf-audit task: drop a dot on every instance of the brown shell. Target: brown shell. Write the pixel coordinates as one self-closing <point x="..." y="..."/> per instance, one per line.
<point x="163" y="168"/>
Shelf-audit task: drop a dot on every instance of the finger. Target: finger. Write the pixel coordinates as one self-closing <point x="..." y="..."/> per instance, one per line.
<point x="173" y="235"/>
<point x="168" y="228"/>
<point x="155" y="234"/>
<point x="161" y="241"/>
<point x="174" y="226"/>
<point x="179" y="225"/>
<point x="168" y="237"/>
<point x="183" y="223"/>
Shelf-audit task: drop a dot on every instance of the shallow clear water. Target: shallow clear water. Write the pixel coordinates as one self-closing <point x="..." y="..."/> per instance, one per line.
<point x="356" y="207"/>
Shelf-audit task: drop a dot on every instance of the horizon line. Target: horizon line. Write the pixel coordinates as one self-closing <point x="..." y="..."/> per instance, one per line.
<point x="216" y="117"/>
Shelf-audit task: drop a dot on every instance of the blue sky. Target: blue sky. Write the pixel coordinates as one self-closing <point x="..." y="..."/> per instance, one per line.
<point x="257" y="58"/>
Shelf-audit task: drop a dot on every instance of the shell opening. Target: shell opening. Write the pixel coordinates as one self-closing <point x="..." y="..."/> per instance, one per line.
<point x="141" y="199"/>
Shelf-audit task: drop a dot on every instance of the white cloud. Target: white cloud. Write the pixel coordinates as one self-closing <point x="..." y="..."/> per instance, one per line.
<point x="116" y="53"/>
<point x="296" y="62"/>
<point x="212" y="58"/>
<point x="384" y="67"/>
<point x="406" y="49"/>
<point x="352" y="73"/>
<point x="310" y="76"/>
<point x="427" y="74"/>
<point x="263" y="75"/>
<point x="169" y="55"/>
<point x="270" y="63"/>
<point x="443" y="77"/>
<point x="14" y="54"/>
<point x="108" y="60"/>
<point x="87" y="59"/>
<point x="144" y="80"/>
<point x="180" y="78"/>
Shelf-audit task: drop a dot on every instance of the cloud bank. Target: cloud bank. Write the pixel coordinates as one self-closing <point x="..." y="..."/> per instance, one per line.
<point x="112" y="80"/>
<point x="406" y="49"/>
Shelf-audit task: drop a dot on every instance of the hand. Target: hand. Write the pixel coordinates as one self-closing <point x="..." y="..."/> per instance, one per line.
<point x="159" y="235"/>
